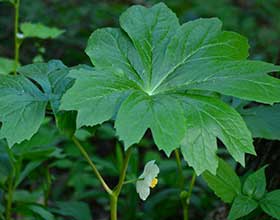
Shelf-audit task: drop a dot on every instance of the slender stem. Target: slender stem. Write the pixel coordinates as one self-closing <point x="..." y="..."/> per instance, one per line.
<point x="184" y="195"/>
<point x="118" y="188"/>
<point x="190" y="194"/>
<point x="180" y="169"/>
<point x="9" y="198"/>
<point x="114" y="197"/>
<point x="132" y="181"/>
<point x="95" y="170"/>
<point x="16" y="41"/>
<point x="47" y="186"/>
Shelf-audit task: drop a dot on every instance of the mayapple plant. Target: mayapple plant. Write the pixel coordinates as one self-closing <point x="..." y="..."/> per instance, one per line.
<point x="151" y="73"/>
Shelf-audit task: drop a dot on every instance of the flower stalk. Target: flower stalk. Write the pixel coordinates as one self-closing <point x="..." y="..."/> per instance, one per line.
<point x="113" y="194"/>
<point x="184" y="195"/>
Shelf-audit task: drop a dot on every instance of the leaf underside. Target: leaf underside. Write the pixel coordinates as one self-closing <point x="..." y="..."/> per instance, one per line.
<point x="153" y="73"/>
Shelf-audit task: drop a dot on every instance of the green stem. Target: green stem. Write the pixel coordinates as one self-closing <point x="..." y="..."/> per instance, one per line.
<point x="184" y="195"/>
<point x="95" y="170"/>
<point x="189" y="195"/>
<point x="114" y="197"/>
<point x="132" y="181"/>
<point x="9" y="198"/>
<point x="47" y="187"/>
<point x="114" y="207"/>
<point x="16" y="40"/>
<point x="180" y="169"/>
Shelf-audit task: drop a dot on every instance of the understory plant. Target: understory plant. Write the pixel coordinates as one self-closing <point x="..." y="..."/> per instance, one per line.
<point x="156" y="74"/>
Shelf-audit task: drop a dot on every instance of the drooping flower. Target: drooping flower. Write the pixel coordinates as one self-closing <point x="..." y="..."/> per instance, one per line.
<point x="148" y="179"/>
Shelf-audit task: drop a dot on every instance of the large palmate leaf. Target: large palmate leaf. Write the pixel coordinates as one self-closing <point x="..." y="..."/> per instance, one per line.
<point x="154" y="73"/>
<point x="23" y="98"/>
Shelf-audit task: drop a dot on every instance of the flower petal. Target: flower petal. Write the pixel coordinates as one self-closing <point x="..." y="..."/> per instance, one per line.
<point x="142" y="189"/>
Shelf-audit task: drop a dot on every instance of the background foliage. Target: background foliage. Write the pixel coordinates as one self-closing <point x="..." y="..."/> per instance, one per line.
<point x="47" y="160"/>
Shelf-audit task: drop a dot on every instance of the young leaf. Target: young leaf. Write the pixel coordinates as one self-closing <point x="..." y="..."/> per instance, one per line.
<point x="242" y="206"/>
<point x="226" y="184"/>
<point x="23" y="98"/>
<point x="263" y="121"/>
<point x="255" y="184"/>
<point x="146" y="72"/>
<point x="39" y="31"/>
<point x="271" y="204"/>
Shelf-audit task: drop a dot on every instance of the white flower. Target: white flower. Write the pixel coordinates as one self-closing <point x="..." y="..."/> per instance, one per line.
<point x="147" y="180"/>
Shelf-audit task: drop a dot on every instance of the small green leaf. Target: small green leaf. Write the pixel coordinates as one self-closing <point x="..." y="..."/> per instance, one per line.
<point x="255" y="184"/>
<point x="263" y="121"/>
<point x="242" y="206"/>
<point x="76" y="210"/>
<point x="271" y="204"/>
<point x="39" y="31"/>
<point x="6" y="66"/>
<point x="226" y="184"/>
<point x="41" y="211"/>
<point x="27" y="170"/>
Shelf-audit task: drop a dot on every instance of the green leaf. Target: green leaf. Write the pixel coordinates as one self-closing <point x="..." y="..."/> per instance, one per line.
<point x="164" y="115"/>
<point x="6" y="66"/>
<point x="147" y="72"/>
<point x="27" y="170"/>
<point x="208" y="118"/>
<point x="41" y="211"/>
<point x="255" y="184"/>
<point x="24" y="97"/>
<point x="271" y="204"/>
<point x="39" y="31"/>
<point x="226" y="184"/>
<point x="242" y="206"/>
<point x="22" y="108"/>
<point x="263" y="121"/>
<point x="76" y="210"/>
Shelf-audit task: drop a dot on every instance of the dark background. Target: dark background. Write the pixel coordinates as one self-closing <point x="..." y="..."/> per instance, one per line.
<point x="258" y="20"/>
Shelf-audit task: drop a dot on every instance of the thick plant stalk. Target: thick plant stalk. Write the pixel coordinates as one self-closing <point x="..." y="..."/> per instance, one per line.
<point x="16" y="41"/>
<point x="114" y="197"/>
